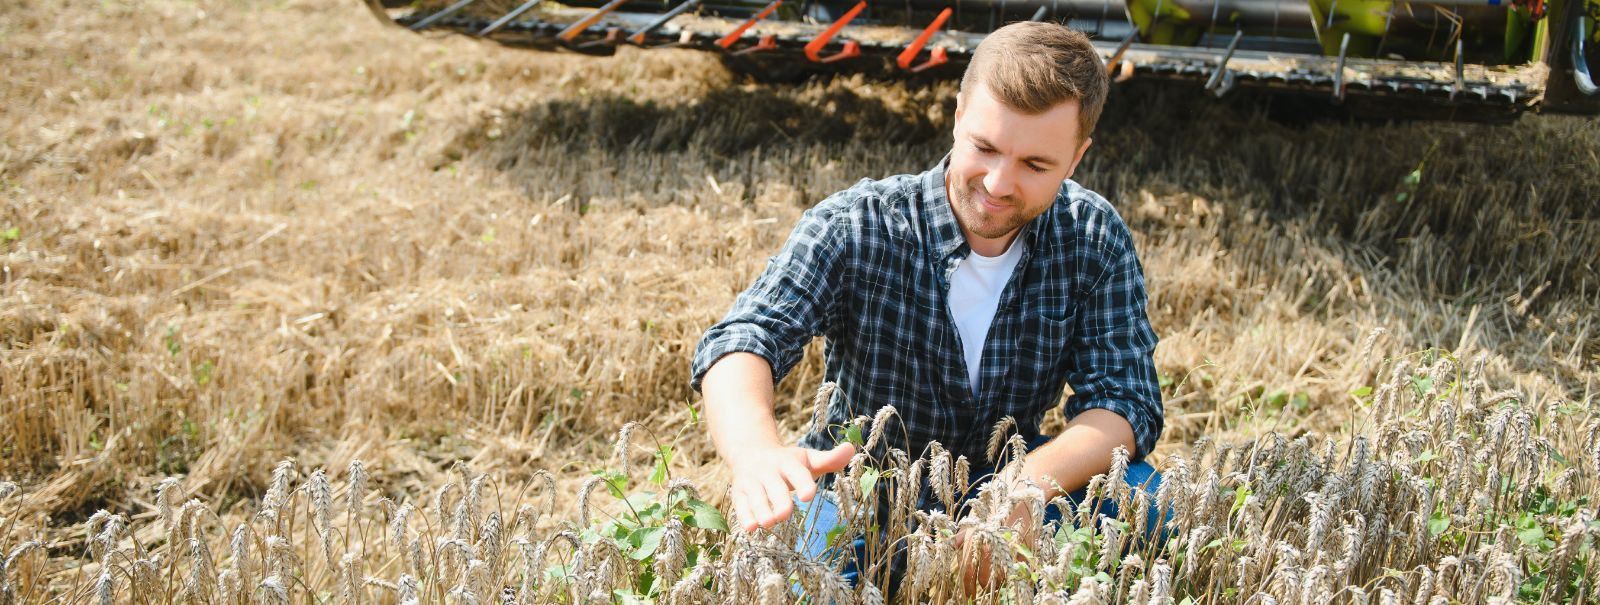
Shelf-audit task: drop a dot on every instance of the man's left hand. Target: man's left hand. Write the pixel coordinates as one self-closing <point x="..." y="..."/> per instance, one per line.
<point x="977" y="574"/>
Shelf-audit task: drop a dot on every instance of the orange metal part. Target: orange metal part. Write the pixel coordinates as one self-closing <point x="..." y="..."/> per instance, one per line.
<point x="1116" y="57"/>
<point x="613" y="36"/>
<point x="768" y="42"/>
<point x="733" y="36"/>
<point x="937" y="56"/>
<point x="851" y="47"/>
<point x="573" y="30"/>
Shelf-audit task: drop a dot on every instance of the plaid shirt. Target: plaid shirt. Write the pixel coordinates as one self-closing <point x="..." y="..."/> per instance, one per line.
<point x="869" y="268"/>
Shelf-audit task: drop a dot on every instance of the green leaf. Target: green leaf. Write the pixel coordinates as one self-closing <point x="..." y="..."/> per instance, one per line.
<point x="1239" y="496"/>
<point x="1425" y="456"/>
<point x="1023" y="550"/>
<point x="1421" y="385"/>
<point x="645" y="541"/>
<point x="852" y="434"/>
<point x="705" y="516"/>
<point x="628" y="597"/>
<point x="1555" y="455"/>
<point x="641" y="501"/>
<point x="616" y="482"/>
<point x="833" y="534"/>
<point x="1438" y="525"/>
<point x="174" y="344"/>
<point x="869" y="480"/>
<point x="663" y="458"/>
<point x="1212" y="544"/>
<point x="556" y="574"/>
<point x="1415" y="177"/>
<point x="1362" y="391"/>
<point x="1533" y="536"/>
<point x="12" y="234"/>
<point x="653" y="514"/>
<point x="618" y="530"/>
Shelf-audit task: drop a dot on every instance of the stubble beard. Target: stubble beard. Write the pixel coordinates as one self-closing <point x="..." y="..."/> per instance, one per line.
<point x="981" y="223"/>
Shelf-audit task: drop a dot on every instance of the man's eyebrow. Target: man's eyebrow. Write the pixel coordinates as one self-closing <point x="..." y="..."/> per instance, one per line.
<point x="1037" y="159"/>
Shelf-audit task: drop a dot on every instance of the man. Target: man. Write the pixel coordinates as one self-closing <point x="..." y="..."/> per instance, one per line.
<point x="962" y="295"/>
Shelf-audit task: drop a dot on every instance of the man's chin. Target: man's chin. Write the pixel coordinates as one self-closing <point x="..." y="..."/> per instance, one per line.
<point x="981" y="223"/>
<point x="991" y="230"/>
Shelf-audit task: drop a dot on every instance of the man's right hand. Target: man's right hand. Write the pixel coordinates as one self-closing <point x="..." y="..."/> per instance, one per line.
<point x="766" y="479"/>
<point x="766" y="473"/>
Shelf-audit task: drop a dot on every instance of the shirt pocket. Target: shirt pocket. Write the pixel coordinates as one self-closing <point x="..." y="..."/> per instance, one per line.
<point x="1037" y="373"/>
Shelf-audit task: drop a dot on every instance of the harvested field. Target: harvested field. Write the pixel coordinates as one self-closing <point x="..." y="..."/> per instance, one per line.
<point x="238" y="232"/>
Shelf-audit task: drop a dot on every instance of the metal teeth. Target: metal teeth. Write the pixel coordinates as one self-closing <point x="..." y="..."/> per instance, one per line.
<point x="1304" y="72"/>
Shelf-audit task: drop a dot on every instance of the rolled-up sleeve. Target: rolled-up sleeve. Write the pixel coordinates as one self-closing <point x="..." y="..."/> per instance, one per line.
<point x="791" y="302"/>
<point x="1112" y="366"/>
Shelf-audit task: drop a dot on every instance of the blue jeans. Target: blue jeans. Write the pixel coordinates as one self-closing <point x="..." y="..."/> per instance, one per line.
<point x="821" y="515"/>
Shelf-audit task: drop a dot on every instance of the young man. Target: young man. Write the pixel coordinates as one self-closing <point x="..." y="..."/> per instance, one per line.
<point x="961" y="295"/>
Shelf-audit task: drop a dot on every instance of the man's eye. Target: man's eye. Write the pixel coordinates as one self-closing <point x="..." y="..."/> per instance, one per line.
<point x="1035" y="167"/>
<point x="982" y="149"/>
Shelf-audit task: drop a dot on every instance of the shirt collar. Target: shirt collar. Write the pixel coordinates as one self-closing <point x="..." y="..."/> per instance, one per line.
<point x="944" y="232"/>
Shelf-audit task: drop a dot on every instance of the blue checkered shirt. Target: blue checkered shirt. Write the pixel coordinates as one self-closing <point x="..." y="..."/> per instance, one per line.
<point x="869" y="269"/>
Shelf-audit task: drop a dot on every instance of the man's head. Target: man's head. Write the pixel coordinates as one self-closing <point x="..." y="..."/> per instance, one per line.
<point x="1032" y="66"/>
<point x="1028" y="102"/>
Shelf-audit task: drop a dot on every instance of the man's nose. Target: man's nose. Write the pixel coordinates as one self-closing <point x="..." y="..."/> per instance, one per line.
<point x="999" y="181"/>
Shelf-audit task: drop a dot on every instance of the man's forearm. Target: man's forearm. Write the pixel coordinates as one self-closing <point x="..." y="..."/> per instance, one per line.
<point x="739" y="402"/>
<point x="1079" y="453"/>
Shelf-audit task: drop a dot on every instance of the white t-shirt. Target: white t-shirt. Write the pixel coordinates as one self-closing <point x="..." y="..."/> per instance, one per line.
<point x="974" y="296"/>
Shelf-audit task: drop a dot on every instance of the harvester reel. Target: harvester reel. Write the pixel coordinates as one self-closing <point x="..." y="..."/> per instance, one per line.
<point x="1461" y="59"/>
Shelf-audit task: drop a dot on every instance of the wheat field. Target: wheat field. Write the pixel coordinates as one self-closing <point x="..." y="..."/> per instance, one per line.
<point x="299" y="307"/>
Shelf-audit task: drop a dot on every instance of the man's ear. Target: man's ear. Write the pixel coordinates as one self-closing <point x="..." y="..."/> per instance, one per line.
<point x="960" y="105"/>
<point x="1078" y="157"/>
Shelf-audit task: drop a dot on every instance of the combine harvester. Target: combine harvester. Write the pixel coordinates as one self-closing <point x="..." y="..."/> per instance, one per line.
<point x="1443" y="59"/>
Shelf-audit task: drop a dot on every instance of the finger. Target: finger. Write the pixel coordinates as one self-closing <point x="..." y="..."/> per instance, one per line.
<point x="831" y="461"/>
<point x="969" y="572"/>
<point x="805" y="487"/>
<point x="755" y="500"/>
<point x="780" y="497"/>
<point x="978" y="576"/>
<point x="742" y="510"/>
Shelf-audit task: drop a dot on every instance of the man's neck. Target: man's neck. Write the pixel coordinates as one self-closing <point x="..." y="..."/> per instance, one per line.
<point x="990" y="247"/>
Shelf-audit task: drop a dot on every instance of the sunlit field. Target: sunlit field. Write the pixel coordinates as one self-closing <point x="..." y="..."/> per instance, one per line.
<point x="297" y="307"/>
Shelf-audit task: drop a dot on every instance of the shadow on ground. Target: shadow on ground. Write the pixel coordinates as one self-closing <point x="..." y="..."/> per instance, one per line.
<point x="1504" y="202"/>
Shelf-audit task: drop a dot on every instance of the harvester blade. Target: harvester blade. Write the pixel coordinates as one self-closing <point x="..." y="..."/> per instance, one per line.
<point x="436" y="17"/>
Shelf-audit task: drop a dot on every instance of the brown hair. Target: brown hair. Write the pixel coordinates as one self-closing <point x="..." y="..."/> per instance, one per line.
<point x="1032" y="67"/>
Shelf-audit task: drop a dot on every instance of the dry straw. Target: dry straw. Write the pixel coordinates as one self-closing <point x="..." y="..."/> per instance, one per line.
<point x="276" y="245"/>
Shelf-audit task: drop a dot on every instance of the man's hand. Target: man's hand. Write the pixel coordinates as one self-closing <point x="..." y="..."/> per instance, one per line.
<point x="766" y="479"/>
<point x="766" y="473"/>
<point x="977" y="575"/>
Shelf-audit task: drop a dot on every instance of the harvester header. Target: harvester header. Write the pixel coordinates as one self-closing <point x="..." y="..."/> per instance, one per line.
<point x="1463" y="59"/>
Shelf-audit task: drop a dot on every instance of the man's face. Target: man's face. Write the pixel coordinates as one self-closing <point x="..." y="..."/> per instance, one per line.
<point x="1007" y="166"/>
